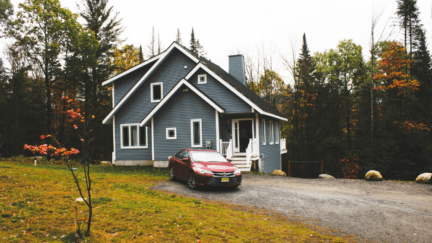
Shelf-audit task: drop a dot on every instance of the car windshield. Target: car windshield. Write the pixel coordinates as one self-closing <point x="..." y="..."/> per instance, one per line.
<point x="198" y="156"/>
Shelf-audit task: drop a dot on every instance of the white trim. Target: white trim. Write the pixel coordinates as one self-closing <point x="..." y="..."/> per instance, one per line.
<point x="271" y="130"/>
<point x="217" y="130"/>
<point x="253" y="105"/>
<point x="257" y="129"/>
<point x="131" y="70"/>
<point x="192" y="135"/>
<point x="152" y="94"/>
<point x="171" y="129"/>
<point x="277" y="132"/>
<point x="113" y="99"/>
<point x="205" y="78"/>
<point x="264" y="132"/>
<point x="147" y="74"/>
<point x="253" y="110"/>
<point x="114" y="143"/>
<point x="152" y="137"/>
<point x="129" y="125"/>
<point x="172" y="92"/>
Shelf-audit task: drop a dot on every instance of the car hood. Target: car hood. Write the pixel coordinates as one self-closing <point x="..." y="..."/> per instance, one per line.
<point x="216" y="166"/>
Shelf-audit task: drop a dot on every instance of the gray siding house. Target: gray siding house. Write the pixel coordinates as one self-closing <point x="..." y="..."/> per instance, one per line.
<point x="178" y="100"/>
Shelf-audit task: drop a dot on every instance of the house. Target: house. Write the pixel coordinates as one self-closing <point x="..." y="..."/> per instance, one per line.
<point x="178" y="100"/>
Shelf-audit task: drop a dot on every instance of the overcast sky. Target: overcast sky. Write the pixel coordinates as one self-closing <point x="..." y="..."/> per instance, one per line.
<point x="225" y="27"/>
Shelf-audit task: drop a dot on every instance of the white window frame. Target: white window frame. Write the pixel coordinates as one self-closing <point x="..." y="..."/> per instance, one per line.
<point x="199" y="78"/>
<point x="192" y="135"/>
<point x="271" y="131"/>
<point x="264" y="132"/>
<point x="277" y="133"/>
<point x="151" y="91"/>
<point x="130" y="137"/>
<point x="171" y="129"/>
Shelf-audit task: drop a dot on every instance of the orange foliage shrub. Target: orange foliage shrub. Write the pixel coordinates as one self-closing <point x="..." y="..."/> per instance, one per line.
<point x="349" y="167"/>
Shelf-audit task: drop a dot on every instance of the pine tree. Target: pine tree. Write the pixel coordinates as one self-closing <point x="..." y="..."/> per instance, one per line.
<point x="409" y="20"/>
<point x="141" y="55"/>
<point x="178" y="37"/>
<point x="193" y="44"/>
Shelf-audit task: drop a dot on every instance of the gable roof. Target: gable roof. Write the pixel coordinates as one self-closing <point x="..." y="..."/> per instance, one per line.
<point x="161" y="58"/>
<point x="217" y="72"/>
<point x="173" y="91"/>
<point x="237" y="88"/>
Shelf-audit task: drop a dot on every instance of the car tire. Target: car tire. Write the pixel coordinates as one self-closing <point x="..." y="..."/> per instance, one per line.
<point x="191" y="182"/>
<point x="171" y="174"/>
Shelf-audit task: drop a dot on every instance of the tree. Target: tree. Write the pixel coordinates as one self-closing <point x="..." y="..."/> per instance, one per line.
<point x="159" y="45"/>
<point x="141" y="55"/>
<point x="408" y="19"/>
<point x="200" y="49"/>
<point x="125" y="58"/>
<point x="178" y="37"/>
<point x="193" y="44"/>
<point x="152" y="45"/>
<point x="6" y="10"/>
<point x="42" y="29"/>
<point x="107" y="28"/>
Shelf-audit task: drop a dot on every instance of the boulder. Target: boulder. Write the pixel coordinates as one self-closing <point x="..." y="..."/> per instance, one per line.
<point x="373" y="175"/>
<point x="325" y="176"/>
<point x="105" y="163"/>
<point x="424" y="178"/>
<point x="278" y="172"/>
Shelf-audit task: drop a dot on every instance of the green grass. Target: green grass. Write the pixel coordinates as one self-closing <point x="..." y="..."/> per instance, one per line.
<point x="37" y="204"/>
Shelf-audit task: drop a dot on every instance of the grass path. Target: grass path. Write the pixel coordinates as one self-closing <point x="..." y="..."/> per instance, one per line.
<point x="37" y="204"/>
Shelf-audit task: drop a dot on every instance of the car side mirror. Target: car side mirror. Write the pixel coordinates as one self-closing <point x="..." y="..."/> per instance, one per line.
<point x="185" y="159"/>
<point x="229" y="160"/>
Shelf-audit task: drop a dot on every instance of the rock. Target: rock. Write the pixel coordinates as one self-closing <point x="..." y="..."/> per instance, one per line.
<point x="279" y="173"/>
<point x="325" y="176"/>
<point x="105" y="163"/>
<point x="373" y="175"/>
<point x="79" y="199"/>
<point x="424" y="178"/>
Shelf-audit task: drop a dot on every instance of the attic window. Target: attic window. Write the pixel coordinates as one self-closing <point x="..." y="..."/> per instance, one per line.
<point x="202" y="78"/>
<point x="156" y="92"/>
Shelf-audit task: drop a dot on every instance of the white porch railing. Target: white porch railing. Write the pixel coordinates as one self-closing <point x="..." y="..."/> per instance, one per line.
<point x="252" y="151"/>
<point x="226" y="149"/>
<point x="283" y="145"/>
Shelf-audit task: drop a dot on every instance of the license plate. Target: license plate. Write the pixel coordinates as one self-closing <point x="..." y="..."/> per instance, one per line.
<point x="224" y="179"/>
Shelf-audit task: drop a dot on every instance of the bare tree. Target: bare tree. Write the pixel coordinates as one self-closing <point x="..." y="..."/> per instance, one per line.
<point x="159" y="44"/>
<point x="151" y="46"/>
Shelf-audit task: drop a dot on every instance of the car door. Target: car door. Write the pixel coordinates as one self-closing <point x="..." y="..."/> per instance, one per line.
<point x="176" y="161"/>
<point x="184" y="166"/>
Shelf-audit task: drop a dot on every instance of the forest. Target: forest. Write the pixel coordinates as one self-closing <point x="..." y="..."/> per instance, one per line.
<point x="353" y="113"/>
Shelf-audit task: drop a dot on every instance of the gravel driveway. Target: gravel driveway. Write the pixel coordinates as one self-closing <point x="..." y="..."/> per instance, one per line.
<point x="386" y="211"/>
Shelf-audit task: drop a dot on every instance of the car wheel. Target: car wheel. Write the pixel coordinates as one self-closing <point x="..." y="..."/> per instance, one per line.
<point x="171" y="174"/>
<point x="191" y="181"/>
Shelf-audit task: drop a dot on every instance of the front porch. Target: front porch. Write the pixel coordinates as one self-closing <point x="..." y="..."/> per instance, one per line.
<point x="239" y="139"/>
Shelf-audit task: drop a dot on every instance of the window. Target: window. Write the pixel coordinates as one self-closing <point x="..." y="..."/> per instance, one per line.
<point x="156" y="90"/>
<point x="133" y="136"/>
<point x="171" y="133"/>
<point x="202" y="78"/>
<point x="271" y="132"/>
<point x="264" y="132"/>
<point x="196" y="133"/>
<point x="277" y="133"/>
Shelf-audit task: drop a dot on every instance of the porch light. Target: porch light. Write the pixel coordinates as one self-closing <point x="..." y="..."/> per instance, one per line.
<point x="185" y="90"/>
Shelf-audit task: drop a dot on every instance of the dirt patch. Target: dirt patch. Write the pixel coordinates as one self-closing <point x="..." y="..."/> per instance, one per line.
<point x="384" y="211"/>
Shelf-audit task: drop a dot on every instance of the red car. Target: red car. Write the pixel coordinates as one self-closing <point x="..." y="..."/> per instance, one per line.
<point x="203" y="168"/>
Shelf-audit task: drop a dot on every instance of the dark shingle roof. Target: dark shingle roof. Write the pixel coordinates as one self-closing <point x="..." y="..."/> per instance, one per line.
<point x="241" y="88"/>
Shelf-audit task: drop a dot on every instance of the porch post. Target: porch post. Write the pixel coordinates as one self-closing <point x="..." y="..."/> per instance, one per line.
<point x="217" y="131"/>
<point x="152" y="138"/>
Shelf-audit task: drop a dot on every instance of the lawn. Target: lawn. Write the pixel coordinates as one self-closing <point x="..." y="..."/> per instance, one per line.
<point x="37" y="204"/>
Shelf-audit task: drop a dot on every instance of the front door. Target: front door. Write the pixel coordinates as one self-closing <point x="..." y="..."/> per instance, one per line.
<point x="242" y="132"/>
